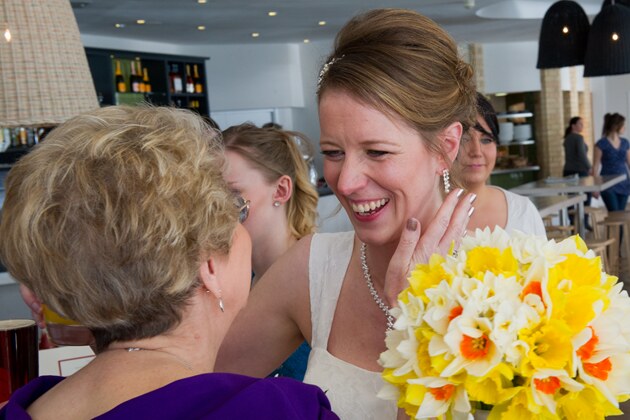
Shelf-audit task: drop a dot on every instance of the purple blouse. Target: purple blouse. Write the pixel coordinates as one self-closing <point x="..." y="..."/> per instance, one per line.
<point x="207" y="396"/>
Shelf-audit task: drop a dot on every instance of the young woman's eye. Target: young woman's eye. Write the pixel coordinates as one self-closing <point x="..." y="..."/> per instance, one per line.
<point x="332" y="154"/>
<point x="376" y="153"/>
<point x="487" y="140"/>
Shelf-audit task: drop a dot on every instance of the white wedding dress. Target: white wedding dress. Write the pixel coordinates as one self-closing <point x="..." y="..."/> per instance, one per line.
<point x="350" y="389"/>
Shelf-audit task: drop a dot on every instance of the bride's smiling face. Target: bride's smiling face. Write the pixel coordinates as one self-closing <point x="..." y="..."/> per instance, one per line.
<point x="378" y="167"/>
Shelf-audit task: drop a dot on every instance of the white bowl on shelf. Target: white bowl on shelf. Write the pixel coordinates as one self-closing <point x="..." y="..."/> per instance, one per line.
<point x="522" y="132"/>
<point x="506" y="132"/>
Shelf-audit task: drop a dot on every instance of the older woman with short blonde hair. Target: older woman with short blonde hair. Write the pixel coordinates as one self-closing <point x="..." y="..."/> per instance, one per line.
<point x="122" y="221"/>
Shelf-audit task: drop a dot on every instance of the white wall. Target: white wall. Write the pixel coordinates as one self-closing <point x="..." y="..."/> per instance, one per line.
<point x="511" y="67"/>
<point x="614" y="96"/>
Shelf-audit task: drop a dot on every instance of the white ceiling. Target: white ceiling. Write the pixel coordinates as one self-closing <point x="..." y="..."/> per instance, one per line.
<point x="233" y="21"/>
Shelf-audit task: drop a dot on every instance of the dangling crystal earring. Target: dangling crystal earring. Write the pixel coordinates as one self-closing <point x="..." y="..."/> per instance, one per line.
<point x="276" y="204"/>
<point x="447" y="182"/>
<point x="221" y="305"/>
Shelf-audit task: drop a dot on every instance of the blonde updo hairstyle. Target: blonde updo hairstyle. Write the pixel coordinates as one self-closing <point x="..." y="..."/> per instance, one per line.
<point x="403" y="64"/>
<point x="274" y="152"/>
<point x="109" y="219"/>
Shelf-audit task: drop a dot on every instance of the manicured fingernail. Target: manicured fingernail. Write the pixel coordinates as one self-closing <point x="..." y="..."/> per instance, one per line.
<point x="471" y="211"/>
<point x="460" y="192"/>
<point x="412" y="224"/>
<point x="472" y="198"/>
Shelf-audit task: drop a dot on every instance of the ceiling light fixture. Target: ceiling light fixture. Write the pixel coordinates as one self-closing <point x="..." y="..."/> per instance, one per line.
<point x="306" y="41"/>
<point x="608" y="47"/>
<point x="321" y="23"/>
<point x="7" y="35"/>
<point x="255" y="34"/>
<point x="563" y="35"/>
<point x="119" y="25"/>
<point x="272" y="13"/>
<point x="201" y="27"/>
<point x="202" y="1"/>
<point x="141" y="21"/>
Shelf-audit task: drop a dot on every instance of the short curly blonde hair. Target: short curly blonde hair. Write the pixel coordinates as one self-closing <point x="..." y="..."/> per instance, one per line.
<point x="109" y="218"/>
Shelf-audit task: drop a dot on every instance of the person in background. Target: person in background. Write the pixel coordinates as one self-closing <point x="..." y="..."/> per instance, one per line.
<point x="392" y="98"/>
<point x="272" y="124"/>
<point x="575" y="156"/>
<point x="611" y="157"/>
<point x="266" y="168"/>
<point x="132" y="231"/>
<point x="475" y="162"/>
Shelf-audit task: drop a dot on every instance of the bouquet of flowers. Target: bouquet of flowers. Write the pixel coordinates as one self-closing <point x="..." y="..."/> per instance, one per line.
<point x="518" y="325"/>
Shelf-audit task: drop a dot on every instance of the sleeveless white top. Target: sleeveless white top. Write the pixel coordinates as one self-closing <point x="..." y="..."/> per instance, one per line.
<point x="350" y="389"/>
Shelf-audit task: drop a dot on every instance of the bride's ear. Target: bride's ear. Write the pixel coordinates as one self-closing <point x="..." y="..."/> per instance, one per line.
<point x="451" y="137"/>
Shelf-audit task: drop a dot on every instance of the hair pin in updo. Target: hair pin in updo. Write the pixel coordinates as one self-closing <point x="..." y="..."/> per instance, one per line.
<point x="324" y="70"/>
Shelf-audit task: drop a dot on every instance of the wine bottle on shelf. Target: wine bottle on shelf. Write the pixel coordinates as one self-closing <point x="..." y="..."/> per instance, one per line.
<point x="198" y="84"/>
<point x="176" y="79"/>
<point x="145" y="79"/>
<point x="190" y="85"/>
<point x="133" y="79"/>
<point x="121" y="86"/>
<point x="139" y="77"/>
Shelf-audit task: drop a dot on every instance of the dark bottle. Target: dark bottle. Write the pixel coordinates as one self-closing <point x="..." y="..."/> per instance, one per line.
<point x="134" y="79"/>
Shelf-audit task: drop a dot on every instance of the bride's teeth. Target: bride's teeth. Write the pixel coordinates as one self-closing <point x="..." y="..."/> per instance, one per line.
<point x="368" y="207"/>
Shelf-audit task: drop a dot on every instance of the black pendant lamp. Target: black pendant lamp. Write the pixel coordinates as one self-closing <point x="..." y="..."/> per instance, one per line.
<point x="608" y="47"/>
<point x="563" y="36"/>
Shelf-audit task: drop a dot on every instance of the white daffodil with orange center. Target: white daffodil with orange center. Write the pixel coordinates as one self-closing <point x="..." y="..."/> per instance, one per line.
<point x="546" y="384"/>
<point x="441" y="396"/>
<point x="469" y="341"/>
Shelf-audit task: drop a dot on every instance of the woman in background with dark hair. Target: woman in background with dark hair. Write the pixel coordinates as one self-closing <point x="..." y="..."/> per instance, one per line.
<point x="575" y="150"/>
<point x="575" y="156"/>
<point x="612" y="155"/>
<point x="475" y="162"/>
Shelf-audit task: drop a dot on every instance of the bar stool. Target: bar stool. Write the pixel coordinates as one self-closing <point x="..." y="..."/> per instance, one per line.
<point x="601" y="247"/>
<point x="622" y="220"/>
<point x="613" y="228"/>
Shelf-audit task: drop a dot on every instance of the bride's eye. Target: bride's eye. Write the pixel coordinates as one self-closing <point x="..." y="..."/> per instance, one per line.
<point x="332" y="154"/>
<point x="376" y="153"/>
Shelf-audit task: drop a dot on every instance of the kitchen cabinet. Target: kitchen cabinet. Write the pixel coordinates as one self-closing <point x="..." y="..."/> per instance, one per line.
<point x="161" y="70"/>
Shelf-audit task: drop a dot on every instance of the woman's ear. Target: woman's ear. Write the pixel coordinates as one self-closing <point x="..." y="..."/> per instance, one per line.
<point x="209" y="278"/>
<point x="451" y="137"/>
<point x="284" y="189"/>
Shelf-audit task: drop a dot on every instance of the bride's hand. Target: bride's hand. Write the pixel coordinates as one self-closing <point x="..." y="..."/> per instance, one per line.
<point x="418" y="243"/>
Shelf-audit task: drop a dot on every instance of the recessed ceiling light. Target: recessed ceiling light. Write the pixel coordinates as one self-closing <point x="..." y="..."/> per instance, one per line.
<point x="306" y="41"/>
<point x="615" y="36"/>
<point x="201" y="27"/>
<point x="141" y="21"/>
<point x="255" y="34"/>
<point x="119" y="25"/>
<point x="500" y="94"/>
<point x="321" y="23"/>
<point x="202" y="1"/>
<point x="272" y="13"/>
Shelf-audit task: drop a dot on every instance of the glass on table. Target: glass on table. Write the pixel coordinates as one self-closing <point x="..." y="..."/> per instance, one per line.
<point x="18" y="355"/>
<point x="66" y="332"/>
